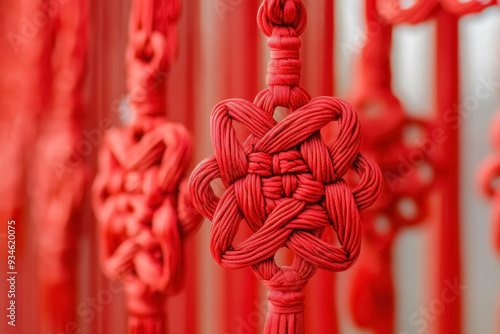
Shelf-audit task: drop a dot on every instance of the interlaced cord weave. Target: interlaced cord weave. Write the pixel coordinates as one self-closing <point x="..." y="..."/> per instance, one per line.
<point x="284" y="181"/>
<point x="140" y="195"/>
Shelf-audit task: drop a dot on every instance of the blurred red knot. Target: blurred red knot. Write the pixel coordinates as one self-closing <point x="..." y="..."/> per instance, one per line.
<point x="284" y="181"/>
<point x="371" y="287"/>
<point x="140" y="194"/>
<point x="488" y="176"/>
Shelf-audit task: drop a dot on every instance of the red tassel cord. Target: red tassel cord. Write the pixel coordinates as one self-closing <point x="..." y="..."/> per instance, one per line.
<point x="446" y="158"/>
<point x="372" y="290"/>
<point x="140" y="195"/>
<point x="59" y="177"/>
<point x="283" y="180"/>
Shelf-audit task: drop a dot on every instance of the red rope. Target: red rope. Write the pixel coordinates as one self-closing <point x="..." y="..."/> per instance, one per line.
<point x="284" y="181"/>
<point x="140" y="196"/>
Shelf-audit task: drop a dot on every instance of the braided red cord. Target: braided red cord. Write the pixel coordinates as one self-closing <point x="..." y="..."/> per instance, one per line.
<point x="140" y="195"/>
<point x="284" y="181"/>
<point x="58" y="181"/>
<point x="372" y="292"/>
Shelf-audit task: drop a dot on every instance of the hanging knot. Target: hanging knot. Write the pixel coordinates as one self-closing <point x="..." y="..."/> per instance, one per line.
<point x="282" y="13"/>
<point x="286" y="294"/>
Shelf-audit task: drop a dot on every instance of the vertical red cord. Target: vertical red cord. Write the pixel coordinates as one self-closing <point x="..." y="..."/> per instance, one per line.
<point x="448" y="179"/>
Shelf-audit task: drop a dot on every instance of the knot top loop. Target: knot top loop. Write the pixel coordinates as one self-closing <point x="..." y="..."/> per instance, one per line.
<point x="151" y="50"/>
<point x="147" y="69"/>
<point x="282" y="13"/>
<point x="283" y="21"/>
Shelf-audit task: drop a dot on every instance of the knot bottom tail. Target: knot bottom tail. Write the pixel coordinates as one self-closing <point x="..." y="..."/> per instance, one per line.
<point x="286" y="303"/>
<point x="145" y="307"/>
<point x="142" y="324"/>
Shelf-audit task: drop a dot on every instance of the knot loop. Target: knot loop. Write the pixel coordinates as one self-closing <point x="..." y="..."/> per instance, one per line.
<point x="283" y="21"/>
<point x="147" y="65"/>
<point x="282" y="13"/>
<point x="151" y="50"/>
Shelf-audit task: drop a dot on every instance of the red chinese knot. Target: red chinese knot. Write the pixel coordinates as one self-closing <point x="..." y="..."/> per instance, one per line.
<point x="284" y="181"/>
<point x="140" y="194"/>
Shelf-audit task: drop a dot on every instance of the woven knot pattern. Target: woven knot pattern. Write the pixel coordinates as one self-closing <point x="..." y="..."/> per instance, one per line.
<point x="286" y="184"/>
<point x="284" y="181"/>
<point x="144" y="212"/>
